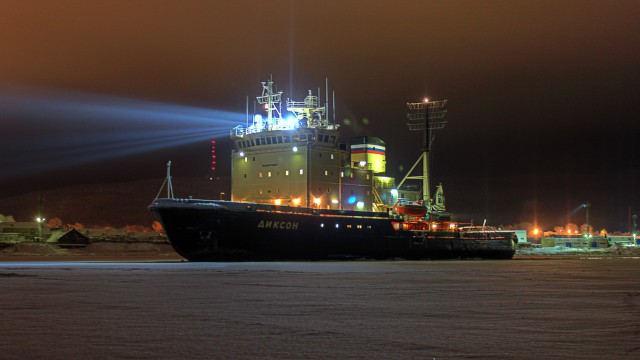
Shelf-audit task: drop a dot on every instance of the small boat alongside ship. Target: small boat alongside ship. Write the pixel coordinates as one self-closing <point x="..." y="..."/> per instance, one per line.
<point x="298" y="193"/>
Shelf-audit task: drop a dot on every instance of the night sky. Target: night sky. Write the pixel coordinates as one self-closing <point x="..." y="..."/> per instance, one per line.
<point x="543" y="103"/>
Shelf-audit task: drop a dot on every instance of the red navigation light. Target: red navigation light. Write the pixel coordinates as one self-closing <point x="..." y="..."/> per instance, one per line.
<point x="213" y="155"/>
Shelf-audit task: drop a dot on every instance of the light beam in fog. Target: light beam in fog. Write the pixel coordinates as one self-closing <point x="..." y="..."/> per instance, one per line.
<point x="58" y="129"/>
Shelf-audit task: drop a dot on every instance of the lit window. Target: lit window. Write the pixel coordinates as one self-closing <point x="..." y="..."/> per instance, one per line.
<point x="326" y="173"/>
<point x="245" y="159"/>
<point x="341" y="173"/>
<point x="260" y="174"/>
<point x="269" y="174"/>
<point x="331" y="156"/>
<point x="301" y="171"/>
<point x="286" y="173"/>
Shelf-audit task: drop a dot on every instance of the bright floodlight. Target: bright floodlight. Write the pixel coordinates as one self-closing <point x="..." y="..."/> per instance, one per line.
<point x="295" y="149"/>
<point x="241" y="154"/>
<point x="291" y="122"/>
<point x="426" y="100"/>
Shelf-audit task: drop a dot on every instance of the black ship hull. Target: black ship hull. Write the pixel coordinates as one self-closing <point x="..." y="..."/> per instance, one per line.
<point x="210" y="230"/>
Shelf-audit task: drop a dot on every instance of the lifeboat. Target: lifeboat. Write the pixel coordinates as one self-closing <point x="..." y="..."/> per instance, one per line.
<point x="415" y="209"/>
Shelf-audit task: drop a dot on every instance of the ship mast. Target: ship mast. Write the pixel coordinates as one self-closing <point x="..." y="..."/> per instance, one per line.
<point x="420" y="118"/>
<point x="272" y="101"/>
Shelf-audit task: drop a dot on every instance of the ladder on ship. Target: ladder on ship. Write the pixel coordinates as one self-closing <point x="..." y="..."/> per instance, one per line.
<point x="378" y="205"/>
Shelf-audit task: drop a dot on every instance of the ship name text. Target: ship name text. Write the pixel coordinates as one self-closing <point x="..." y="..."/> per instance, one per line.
<point x="285" y="225"/>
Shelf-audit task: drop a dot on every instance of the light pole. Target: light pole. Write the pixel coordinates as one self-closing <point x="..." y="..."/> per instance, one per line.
<point x="587" y="234"/>
<point x="587" y="205"/>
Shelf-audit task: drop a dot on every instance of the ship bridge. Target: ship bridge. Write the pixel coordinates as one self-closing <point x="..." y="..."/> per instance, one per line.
<point x="290" y="154"/>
